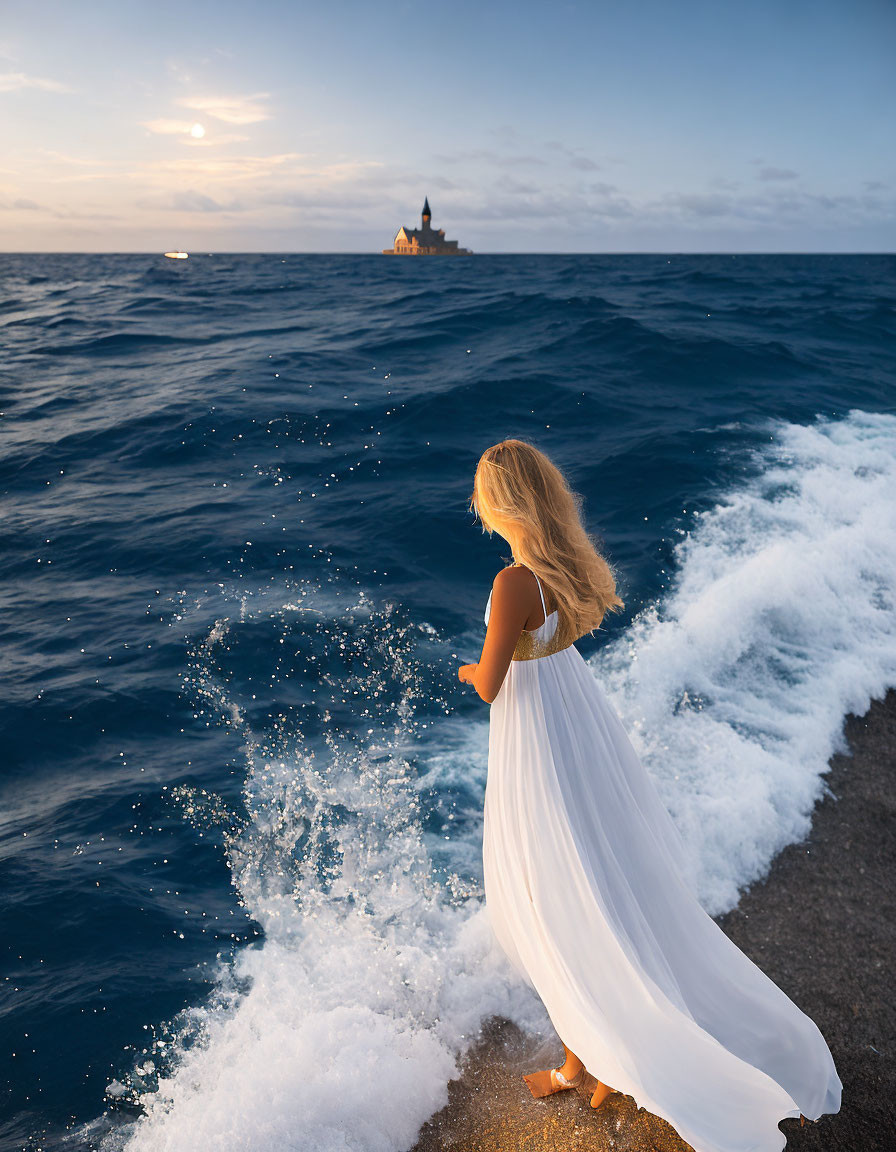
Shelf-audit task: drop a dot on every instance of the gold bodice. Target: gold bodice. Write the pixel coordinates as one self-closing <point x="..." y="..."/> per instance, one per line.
<point x="531" y="647"/>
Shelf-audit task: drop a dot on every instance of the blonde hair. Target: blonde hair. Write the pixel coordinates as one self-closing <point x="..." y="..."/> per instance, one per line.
<point x="521" y="494"/>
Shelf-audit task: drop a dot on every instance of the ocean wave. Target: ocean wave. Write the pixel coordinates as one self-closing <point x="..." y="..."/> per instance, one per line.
<point x="378" y="963"/>
<point x="779" y="621"/>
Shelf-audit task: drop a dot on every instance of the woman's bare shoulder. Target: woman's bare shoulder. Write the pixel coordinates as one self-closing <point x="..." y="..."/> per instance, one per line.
<point x="515" y="582"/>
<point x="513" y="576"/>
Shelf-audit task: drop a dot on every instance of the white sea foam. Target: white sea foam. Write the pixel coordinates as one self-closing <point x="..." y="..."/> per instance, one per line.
<point x="780" y="621"/>
<point x="340" y="1032"/>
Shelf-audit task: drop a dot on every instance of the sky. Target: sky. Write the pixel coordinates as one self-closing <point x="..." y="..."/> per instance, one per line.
<point x="633" y="126"/>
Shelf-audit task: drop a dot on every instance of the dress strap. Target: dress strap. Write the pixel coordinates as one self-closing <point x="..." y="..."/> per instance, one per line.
<point x="544" y="606"/>
<point x="541" y="594"/>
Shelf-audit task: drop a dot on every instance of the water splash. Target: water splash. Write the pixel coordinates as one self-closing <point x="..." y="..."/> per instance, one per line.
<point x="344" y="1027"/>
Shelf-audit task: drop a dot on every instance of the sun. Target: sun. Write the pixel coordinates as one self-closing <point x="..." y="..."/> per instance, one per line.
<point x="197" y="131"/>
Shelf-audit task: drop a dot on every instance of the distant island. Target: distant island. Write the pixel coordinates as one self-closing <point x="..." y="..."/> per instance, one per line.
<point x="425" y="240"/>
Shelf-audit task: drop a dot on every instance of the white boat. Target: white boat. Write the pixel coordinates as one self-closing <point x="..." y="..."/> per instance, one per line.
<point x="177" y="255"/>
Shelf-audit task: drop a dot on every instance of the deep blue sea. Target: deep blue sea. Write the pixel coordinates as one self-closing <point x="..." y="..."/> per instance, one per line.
<point x="241" y="784"/>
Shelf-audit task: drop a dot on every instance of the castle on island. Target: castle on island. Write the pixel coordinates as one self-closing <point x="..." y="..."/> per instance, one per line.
<point x="425" y="240"/>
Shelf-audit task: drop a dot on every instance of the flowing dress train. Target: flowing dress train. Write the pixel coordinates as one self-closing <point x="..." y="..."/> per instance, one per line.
<point x="584" y="884"/>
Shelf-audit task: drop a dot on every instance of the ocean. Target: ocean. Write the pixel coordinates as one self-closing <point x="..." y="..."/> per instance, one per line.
<point x="241" y="785"/>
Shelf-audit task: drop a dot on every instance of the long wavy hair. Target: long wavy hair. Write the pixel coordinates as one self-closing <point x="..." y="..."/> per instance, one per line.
<point x="522" y="495"/>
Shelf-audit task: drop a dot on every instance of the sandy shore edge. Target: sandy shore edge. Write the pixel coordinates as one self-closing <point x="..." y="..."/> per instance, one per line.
<point x="822" y="924"/>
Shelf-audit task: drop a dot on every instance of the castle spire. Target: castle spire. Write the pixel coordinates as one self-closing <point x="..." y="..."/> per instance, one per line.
<point x="427" y="215"/>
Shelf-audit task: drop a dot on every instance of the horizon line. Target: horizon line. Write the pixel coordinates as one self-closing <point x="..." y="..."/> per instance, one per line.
<point x="378" y="255"/>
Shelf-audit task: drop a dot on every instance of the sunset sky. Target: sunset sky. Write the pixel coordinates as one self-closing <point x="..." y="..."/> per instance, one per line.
<point x="541" y="127"/>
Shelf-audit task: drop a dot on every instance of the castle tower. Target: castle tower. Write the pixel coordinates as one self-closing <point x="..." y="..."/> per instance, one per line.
<point x="427" y="215"/>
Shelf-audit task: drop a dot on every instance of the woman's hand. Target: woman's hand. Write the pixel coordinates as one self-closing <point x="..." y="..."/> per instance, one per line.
<point x="466" y="672"/>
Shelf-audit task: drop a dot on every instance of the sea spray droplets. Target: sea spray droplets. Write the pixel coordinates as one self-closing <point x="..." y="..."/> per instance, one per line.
<point x="330" y="807"/>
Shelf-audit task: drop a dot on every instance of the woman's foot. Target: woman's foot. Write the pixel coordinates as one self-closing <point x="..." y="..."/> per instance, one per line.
<point x="600" y="1093"/>
<point x="549" y="1081"/>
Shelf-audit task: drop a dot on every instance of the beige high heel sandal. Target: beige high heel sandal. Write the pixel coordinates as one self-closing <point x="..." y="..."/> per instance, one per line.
<point x="551" y="1080"/>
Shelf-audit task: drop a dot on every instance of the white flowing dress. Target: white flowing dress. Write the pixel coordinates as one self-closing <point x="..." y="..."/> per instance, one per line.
<point x="585" y="889"/>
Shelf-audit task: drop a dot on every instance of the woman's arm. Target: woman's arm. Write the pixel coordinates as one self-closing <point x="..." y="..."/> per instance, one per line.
<point x="510" y="609"/>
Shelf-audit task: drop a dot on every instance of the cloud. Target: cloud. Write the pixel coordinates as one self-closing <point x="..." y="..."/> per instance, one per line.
<point x="212" y="141"/>
<point x="192" y="201"/>
<point x="316" y="193"/>
<point x="220" y="192"/>
<point x="772" y="208"/>
<point x="15" y="81"/>
<point x="505" y="205"/>
<point x="516" y="188"/>
<point x="443" y="183"/>
<point x="230" y="109"/>
<point x="487" y="156"/>
<point x="206" y="184"/>
<point x="777" y="174"/>
<point x="574" y="157"/>
<point x="188" y="200"/>
<point x="22" y="204"/>
<point x="166" y="127"/>
<point x="205" y="167"/>
<point x="78" y="161"/>
<point x="290" y="168"/>
<point x="701" y="204"/>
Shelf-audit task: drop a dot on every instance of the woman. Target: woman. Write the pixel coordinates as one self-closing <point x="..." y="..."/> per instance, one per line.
<point x="584" y="868"/>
